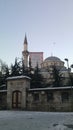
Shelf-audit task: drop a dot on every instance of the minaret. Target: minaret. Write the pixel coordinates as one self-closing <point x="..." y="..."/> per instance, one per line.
<point x="25" y="53"/>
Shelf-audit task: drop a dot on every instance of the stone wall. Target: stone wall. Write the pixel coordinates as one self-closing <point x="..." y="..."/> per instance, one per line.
<point x="3" y="100"/>
<point x="19" y="95"/>
<point x="52" y="100"/>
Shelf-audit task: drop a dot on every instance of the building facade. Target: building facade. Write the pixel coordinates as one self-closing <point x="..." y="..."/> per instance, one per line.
<point x="47" y="67"/>
<point x="36" y="59"/>
<point x="33" y="57"/>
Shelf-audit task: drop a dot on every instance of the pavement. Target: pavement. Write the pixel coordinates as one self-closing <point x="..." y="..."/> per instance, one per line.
<point x="26" y="120"/>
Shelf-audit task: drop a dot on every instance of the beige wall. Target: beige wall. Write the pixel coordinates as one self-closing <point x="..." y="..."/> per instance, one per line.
<point x="19" y="85"/>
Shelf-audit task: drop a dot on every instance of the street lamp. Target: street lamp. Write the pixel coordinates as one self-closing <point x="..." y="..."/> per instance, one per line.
<point x="66" y="59"/>
<point x="72" y="66"/>
<point x="67" y="62"/>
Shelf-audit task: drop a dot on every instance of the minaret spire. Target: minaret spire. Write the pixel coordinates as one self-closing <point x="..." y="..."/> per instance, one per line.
<point x="25" y="52"/>
<point x="25" y="39"/>
<point x="25" y="44"/>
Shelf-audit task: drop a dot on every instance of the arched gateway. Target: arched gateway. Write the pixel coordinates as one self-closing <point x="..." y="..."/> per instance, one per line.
<point x="16" y="91"/>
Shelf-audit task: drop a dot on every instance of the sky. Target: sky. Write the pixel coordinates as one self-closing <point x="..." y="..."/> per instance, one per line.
<point x="48" y="25"/>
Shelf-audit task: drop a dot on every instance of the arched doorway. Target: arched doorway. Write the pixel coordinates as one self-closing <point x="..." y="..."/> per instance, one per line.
<point x="16" y="99"/>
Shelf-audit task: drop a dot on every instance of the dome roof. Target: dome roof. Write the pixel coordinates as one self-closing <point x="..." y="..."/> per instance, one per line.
<point x="52" y="58"/>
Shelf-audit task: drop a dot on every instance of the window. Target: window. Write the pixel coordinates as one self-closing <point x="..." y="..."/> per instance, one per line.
<point x="49" y="96"/>
<point x="36" y="97"/>
<point x="65" y="96"/>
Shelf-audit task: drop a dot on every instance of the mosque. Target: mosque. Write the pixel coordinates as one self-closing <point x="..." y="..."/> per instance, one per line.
<point x="19" y="94"/>
<point x="46" y="65"/>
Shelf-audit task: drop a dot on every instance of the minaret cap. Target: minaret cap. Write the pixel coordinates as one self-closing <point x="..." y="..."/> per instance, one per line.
<point x="25" y="39"/>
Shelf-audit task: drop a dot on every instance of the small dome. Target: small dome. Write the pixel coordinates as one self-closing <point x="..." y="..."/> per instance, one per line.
<point x="52" y="58"/>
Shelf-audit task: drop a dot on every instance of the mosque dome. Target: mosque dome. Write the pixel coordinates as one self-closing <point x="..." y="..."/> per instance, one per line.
<point x="52" y="58"/>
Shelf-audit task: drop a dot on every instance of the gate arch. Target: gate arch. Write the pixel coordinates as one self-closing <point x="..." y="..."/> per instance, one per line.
<point x="16" y="99"/>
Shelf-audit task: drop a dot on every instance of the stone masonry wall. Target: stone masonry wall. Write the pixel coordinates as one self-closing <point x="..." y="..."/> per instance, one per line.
<point x="57" y="103"/>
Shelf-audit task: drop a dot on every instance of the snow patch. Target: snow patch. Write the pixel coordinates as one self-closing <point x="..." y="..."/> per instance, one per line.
<point x="60" y="127"/>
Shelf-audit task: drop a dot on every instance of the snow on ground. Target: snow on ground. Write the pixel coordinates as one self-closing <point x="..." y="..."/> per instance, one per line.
<point x="25" y="120"/>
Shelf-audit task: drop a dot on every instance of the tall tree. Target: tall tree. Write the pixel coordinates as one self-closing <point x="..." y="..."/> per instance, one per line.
<point x="4" y="72"/>
<point x="36" y="79"/>
<point x="57" y="77"/>
<point x="16" y="68"/>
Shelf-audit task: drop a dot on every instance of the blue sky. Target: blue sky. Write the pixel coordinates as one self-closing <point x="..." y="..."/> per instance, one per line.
<point x="48" y="25"/>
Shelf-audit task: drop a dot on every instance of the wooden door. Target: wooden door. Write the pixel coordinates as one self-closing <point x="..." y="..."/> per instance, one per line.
<point x="16" y="99"/>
